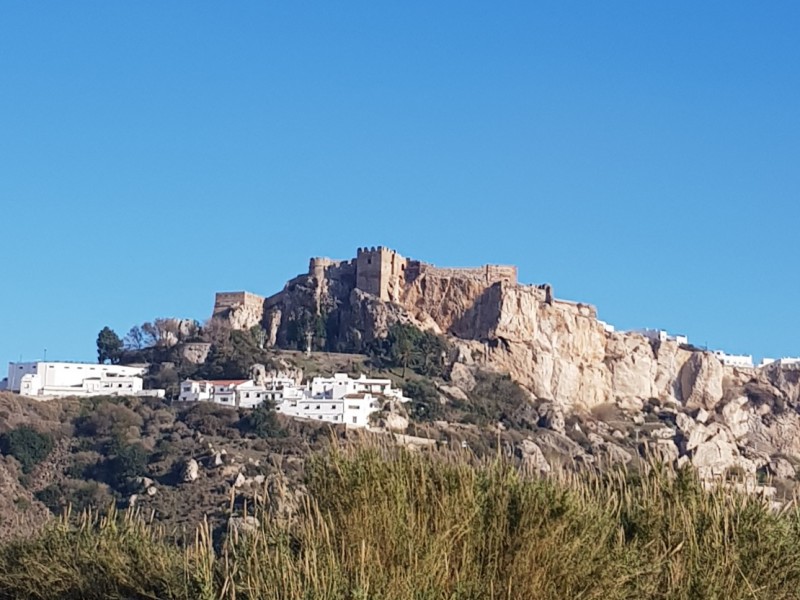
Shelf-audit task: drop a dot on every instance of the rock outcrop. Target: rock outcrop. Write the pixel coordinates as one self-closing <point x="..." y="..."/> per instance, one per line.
<point x="715" y="416"/>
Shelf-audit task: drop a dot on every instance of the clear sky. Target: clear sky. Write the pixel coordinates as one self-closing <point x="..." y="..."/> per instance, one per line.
<point x="641" y="156"/>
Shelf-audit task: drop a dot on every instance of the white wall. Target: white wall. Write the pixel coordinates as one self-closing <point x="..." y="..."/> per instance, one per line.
<point x="63" y="374"/>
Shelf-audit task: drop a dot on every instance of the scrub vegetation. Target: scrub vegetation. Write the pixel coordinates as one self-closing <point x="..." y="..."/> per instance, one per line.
<point x="385" y="523"/>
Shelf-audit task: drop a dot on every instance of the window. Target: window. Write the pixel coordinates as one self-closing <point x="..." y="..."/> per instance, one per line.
<point x="316" y="407"/>
<point x="355" y="419"/>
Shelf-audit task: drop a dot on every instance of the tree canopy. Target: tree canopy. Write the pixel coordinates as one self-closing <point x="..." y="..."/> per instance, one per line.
<point x="109" y="346"/>
<point x="408" y="347"/>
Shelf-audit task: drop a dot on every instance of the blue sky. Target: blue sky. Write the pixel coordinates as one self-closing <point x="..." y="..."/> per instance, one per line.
<point x="644" y="157"/>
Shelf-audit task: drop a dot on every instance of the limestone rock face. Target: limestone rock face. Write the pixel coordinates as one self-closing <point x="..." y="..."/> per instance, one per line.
<point x="710" y="414"/>
<point x="701" y="381"/>
<point x="736" y="416"/>
<point x="195" y="352"/>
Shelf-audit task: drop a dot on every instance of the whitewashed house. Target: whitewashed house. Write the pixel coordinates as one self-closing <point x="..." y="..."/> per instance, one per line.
<point x="338" y="399"/>
<point x="241" y="393"/>
<point x="734" y="360"/>
<point x="786" y="360"/>
<point x="661" y="335"/>
<point x="60" y="379"/>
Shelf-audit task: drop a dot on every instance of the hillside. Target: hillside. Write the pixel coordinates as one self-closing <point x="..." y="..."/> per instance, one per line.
<point x="375" y="522"/>
<point x="716" y="416"/>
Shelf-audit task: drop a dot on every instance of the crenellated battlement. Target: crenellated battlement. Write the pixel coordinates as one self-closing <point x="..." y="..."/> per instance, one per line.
<point x="383" y="272"/>
<point x="487" y="273"/>
<point x="376" y="270"/>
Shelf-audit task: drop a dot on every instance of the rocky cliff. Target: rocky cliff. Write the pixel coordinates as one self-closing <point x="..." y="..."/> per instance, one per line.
<point x="557" y="350"/>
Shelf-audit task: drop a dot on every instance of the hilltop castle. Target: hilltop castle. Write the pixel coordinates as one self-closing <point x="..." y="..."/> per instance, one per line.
<point x="379" y="271"/>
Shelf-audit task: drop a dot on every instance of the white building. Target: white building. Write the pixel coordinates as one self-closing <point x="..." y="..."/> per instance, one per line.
<point x="786" y="360"/>
<point x="353" y="409"/>
<point x="607" y="327"/>
<point x="661" y="335"/>
<point x="242" y="393"/>
<point x="337" y="399"/>
<point x="734" y="360"/>
<point x="60" y="379"/>
<point x="342" y="384"/>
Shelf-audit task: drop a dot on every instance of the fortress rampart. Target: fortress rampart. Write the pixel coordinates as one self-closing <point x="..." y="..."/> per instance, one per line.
<point x="224" y="301"/>
<point x="383" y="272"/>
<point x="488" y="273"/>
<point x="379" y="271"/>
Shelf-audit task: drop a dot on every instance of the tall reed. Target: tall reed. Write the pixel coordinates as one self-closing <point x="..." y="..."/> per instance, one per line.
<point x="385" y="523"/>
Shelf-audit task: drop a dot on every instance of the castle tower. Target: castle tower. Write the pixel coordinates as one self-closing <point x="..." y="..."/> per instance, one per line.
<point x="380" y="272"/>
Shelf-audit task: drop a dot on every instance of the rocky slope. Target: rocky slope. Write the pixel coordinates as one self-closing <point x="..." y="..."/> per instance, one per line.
<point x="561" y="353"/>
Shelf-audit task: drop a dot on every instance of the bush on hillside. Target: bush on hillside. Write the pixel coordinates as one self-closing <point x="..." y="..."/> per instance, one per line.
<point x="212" y="419"/>
<point x="27" y="445"/>
<point x="109" y="419"/>
<point x="408" y="347"/>
<point x="262" y="422"/>
<point x="74" y="494"/>
<point x="425" y="405"/>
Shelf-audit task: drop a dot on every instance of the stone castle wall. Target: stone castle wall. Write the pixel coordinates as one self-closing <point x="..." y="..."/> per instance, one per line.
<point x="383" y="272"/>
<point x="320" y="266"/>
<point x="488" y="273"/>
<point x="378" y="271"/>
<point x="225" y="301"/>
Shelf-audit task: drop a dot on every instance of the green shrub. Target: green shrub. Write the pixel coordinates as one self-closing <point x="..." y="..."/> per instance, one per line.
<point x="408" y="347"/>
<point x="425" y="405"/>
<point x="212" y="419"/>
<point x="77" y="495"/>
<point x="27" y="445"/>
<point x="262" y="422"/>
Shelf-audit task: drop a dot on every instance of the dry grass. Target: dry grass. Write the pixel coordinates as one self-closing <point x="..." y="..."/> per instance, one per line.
<point x="389" y="524"/>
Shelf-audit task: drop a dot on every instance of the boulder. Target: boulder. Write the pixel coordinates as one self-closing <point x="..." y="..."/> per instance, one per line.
<point x="396" y="422"/>
<point x="780" y="467"/>
<point x="191" y="470"/>
<point x="552" y="417"/>
<point x="533" y="456"/>
<point x="713" y="458"/>
<point x="462" y="377"/>
<point x="456" y="393"/>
